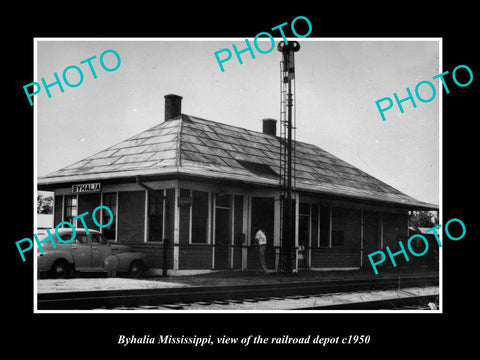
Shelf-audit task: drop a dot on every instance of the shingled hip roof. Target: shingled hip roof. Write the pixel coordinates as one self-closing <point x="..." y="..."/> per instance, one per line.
<point x="187" y="145"/>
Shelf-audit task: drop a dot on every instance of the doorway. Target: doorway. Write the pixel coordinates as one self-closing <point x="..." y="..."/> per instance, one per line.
<point x="223" y="231"/>
<point x="303" y="235"/>
<point x="263" y="218"/>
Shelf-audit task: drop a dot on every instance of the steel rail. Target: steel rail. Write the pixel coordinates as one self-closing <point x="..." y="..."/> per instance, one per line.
<point x="383" y="304"/>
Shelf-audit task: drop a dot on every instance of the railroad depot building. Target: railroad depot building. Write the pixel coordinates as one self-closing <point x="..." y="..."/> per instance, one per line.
<point x="205" y="187"/>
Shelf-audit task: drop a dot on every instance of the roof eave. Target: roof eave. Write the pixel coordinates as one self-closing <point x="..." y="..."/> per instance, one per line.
<point x="46" y="183"/>
<point x="49" y="182"/>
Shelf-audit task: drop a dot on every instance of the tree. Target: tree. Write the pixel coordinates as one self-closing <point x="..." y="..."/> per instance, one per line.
<point x="424" y="218"/>
<point x="44" y="204"/>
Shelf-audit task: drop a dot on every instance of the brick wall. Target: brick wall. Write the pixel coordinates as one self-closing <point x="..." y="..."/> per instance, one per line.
<point x="195" y="257"/>
<point x="335" y="258"/>
<point x="154" y="252"/>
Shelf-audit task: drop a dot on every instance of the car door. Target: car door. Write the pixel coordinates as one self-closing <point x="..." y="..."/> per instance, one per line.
<point x="100" y="250"/>
<point x="82" y="253"/>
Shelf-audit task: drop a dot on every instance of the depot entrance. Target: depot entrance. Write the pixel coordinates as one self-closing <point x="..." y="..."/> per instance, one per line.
<point x="262" y="218"/>
<point x="223" y="231"/>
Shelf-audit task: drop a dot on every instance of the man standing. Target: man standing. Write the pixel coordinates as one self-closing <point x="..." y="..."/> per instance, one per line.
<point x="261" y="244"/>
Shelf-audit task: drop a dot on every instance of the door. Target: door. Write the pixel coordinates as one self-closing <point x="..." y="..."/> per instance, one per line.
<point x="82" y="253"/>
<point x="100" y="250"/>
<point x="223" y="231"/>
<point x="222" y="238"/>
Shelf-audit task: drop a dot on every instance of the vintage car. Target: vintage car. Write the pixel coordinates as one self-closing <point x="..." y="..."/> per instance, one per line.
<point x="86" y="253"/>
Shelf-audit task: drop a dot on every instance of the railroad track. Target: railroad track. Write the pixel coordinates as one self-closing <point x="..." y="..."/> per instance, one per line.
<point x="403" y="301"/>
<point x="179" y="298"/>
<point x="425" y="302"/>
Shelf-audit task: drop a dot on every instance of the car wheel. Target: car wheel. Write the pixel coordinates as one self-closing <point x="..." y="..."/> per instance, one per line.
<point x="60" y="269"/>
<point x="136" y="269"/>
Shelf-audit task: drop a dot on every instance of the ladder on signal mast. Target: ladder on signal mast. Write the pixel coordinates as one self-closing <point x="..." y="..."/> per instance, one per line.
<point x="287" y="156"/>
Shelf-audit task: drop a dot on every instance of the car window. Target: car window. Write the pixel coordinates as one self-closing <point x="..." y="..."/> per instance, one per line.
<point x="97" y="238"/>
<point x="81" y="239"/>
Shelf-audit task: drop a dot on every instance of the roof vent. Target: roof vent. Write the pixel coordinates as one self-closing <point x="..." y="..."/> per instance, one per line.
<point x="270" y="127"/>
<point x="173" y="106"/>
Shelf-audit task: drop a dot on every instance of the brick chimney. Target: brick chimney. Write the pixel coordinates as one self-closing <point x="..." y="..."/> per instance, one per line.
<point x="270" y="127"/>
<point x="173" y="106"/>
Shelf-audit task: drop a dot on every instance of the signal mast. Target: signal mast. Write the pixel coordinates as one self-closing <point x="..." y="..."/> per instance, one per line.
<point x="287" y="151"/>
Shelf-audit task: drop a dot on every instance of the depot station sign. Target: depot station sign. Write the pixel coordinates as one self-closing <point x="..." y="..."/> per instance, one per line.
<point x="86" y="188"/>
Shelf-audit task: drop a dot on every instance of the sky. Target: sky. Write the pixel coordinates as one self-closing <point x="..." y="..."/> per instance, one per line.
<point x="337" y="84"/>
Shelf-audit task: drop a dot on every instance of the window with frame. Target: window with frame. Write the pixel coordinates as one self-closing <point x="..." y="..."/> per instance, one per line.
<point x="304" y="224"/>
<point x="345" y="226"/>
<point x="315" y="226"/>
<point x="155" y="215"/>
<point x="71" y="208"/>
<point x="110" y="201"/>
<point x="199" y="217"/>
<point x="223" y="201"/>
<point x="97" y="238"/>
<point x="81" y="239"/>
